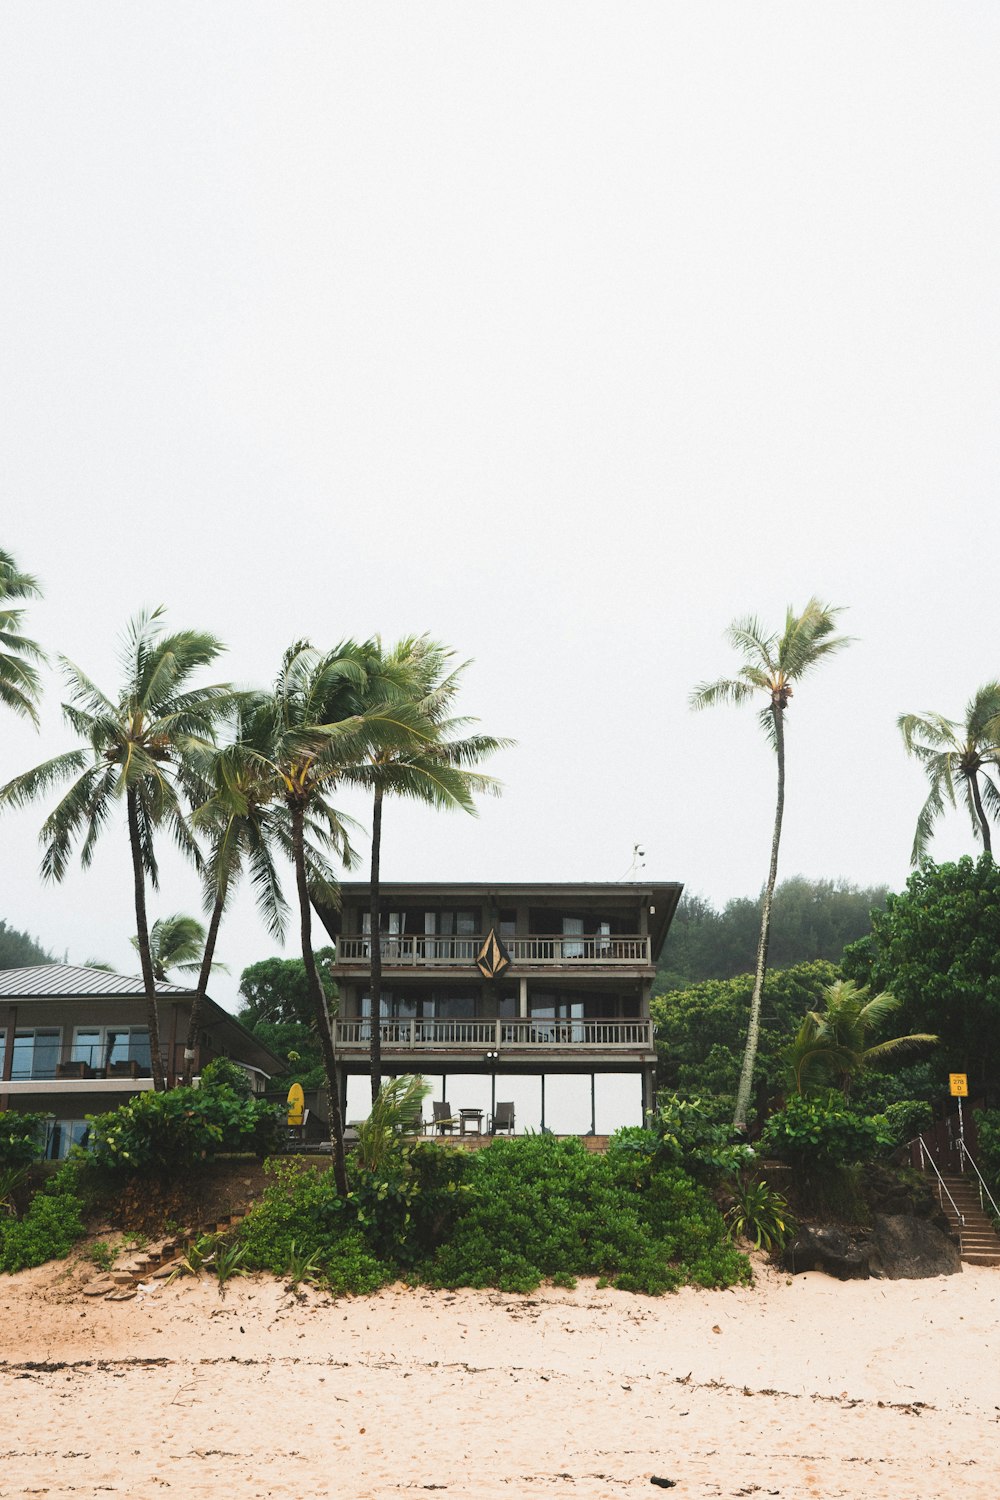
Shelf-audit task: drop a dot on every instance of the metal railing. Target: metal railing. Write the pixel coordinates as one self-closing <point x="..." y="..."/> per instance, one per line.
<point x="545" y="949"/>
<point x="925" y="1156"/>
<point x="983" y="1189"/>
<point x="516" y="1032"/>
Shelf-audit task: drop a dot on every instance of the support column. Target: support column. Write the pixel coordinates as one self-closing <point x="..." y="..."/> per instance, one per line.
<point x="593" y="1103"/>
<point x="648" y="1092"/>
<point x="522" y="998"/>
<point x="543" y="1101"/>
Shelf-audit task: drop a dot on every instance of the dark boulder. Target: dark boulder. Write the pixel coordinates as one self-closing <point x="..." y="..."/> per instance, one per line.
<point x="904" y="1247"/>
<point x="824" y="1247"/>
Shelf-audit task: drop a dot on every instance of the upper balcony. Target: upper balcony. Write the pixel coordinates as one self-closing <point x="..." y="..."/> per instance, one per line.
<point x="541" y="951"/>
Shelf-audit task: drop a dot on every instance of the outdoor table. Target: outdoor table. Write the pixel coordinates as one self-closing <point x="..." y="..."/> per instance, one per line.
<point x="468" y="1118"/>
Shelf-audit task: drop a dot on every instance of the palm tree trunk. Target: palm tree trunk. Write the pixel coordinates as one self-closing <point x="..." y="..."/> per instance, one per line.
<point x="980" y="814"/>
<point x="753" y="1028"/>
<point x="197" y="1004"/>
<point x="142" y="936"/>
<point x="375" y="945"/>
<point x="320" y="1011"/>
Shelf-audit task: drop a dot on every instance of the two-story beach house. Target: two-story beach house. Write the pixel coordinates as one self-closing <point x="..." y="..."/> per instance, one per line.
<point x="504" y="981"/>
<point x="74" y="1042"/>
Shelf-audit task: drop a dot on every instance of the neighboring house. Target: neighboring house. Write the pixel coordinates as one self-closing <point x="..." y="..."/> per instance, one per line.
<point x="503" y="979"/>
<point x="74" y="1042"/>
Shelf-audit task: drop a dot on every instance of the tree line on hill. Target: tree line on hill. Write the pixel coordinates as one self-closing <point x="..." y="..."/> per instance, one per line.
<point x="18" y="950"/>
<point x="810" y="919"/>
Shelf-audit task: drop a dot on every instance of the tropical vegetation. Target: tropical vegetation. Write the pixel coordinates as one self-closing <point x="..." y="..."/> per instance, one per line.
<point x="960" y="761"/>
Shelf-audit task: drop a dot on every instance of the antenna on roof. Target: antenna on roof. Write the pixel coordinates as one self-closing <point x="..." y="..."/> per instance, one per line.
<point x="638" y="862"/>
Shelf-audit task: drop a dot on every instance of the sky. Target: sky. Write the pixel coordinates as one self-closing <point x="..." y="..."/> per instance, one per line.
<point x="566" y="332"/>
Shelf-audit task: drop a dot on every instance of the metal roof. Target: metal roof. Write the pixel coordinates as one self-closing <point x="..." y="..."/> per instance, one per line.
<point x="55" y="981"/>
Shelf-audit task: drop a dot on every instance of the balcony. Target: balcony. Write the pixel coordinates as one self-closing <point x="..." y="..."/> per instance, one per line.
<point x="545" y="951"/>
<point x="532" y="1034"/>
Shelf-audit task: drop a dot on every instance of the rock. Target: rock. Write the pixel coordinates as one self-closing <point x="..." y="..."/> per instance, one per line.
<point x="824" y="1247"/>
<point x="905" y="1247"/>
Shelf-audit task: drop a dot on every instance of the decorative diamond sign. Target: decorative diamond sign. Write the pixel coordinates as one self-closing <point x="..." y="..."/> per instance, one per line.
<point x="492" y="958"/>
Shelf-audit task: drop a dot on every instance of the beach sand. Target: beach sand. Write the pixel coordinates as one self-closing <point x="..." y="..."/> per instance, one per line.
<point x="794" y="1387"/>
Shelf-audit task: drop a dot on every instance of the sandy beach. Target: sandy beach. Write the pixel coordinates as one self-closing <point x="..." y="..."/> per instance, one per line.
<point x="804" y="1387"/>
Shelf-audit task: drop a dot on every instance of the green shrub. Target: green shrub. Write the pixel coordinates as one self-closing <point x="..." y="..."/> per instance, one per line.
<point x="906" y="1119"/>
<point x="759" y="1213"/>
<point x="165" y="1135"/>
<point x="410" y="1205"/>
<point x="540" y="1207"/>
<point x="21" y="1138"/>
<point x="689" y="1134"/>
<point x="223" y="1071"/>
<point x="49" y="1229"/>
<point x="300" y="1218"/>
<point x="816" y="1134"/>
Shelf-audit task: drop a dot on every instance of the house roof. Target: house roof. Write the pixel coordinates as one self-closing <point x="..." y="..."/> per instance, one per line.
<point x="59" y="981"/>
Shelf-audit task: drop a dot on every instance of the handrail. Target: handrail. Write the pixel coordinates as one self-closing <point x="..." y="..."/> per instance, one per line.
<point x="982" y="1183"/>
<point x="925" y="1152"/>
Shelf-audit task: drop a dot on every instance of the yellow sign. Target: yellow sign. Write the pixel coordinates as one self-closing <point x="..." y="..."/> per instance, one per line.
<point x="296" y="1104"/>
<point x="959" y="1084"/>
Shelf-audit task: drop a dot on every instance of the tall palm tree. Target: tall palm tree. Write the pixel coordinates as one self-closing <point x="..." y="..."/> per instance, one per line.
<point x="772" y="665"/>
<point x="19" y="682"/>
<point x="176" y="942"/>
<point x="244" y="827"/>
<point x="318" y="738"/>
<point x="137" y="747"/>
<point x="956" y="755"/>
<point x="833" y="1042"/>
<point x="435" y="767"/>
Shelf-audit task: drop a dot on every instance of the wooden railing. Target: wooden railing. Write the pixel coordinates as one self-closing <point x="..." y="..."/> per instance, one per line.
<point x="517" y="1033"/>
<point x="546" y="949"/>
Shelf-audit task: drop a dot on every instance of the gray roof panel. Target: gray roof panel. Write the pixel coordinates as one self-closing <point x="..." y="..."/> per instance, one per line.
<point x="55" y="981"/>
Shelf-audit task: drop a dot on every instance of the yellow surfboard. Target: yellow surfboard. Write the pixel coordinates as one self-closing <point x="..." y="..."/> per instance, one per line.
<point x="296" y="1104"/>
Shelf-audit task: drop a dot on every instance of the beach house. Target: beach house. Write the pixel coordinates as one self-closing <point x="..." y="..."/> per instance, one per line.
<point x="75" y="1042"/>
<point x="504" y="981"/>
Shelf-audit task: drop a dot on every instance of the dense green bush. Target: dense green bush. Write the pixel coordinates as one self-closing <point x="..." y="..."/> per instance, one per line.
<point x="691" y="1134"/>
<point x="300" y="1216"/>
<point x="546" y="1207"/>
<point x="223" y="1071"/>
<point x="816" y="1133"/>
<point x="905" y="1119"/>
<point x="167" y="1134"/>
<point x="49" y="1229"/>
<point x="21" y="1137"/>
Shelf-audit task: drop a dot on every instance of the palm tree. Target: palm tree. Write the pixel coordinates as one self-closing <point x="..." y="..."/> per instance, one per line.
<point x="772" y="665"/>
<point x="19" y="681"/>
<point x="244" y="826"/>
<point x="435" y="767"/>
<point x="176" y="942"/>
<point x="316" y="738"/>
<point x="834" y="1041"/>
<point x="136" y="753"/>
<point x="957" y="753"/>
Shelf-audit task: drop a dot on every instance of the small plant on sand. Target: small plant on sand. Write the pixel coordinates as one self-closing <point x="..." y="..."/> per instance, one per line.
<point x="303" y="1268"/>
<point x="759" y="1213"/>
<point x="102" y="1254"/>
<point x="196" y="1258"/>
<point x="227" y="1262"/>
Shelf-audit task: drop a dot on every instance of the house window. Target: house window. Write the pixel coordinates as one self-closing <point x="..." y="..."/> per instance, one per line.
<point x="101" y="1047"/>
<point x="36" y="1054"/>
<point x="60" y="1135"/>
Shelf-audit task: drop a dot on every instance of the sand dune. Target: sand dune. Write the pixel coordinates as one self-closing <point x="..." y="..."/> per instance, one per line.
<point x="801" y="1388"/>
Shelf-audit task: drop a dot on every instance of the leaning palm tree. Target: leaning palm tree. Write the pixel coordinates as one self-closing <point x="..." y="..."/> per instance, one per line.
<point x="244" y="827"/>
<point x="137" y="746"/>
<point x="772" y="665"/>
<point x="832" y="1045"/>
<point x="959" y="759"/>
<point x="176" y="942"/>
<point x="317" y="738"/>
<point x="19" y="682"/>
<point x="435" y="767"/>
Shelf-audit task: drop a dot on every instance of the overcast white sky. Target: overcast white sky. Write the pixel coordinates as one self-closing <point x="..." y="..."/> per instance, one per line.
<point x="567" y="332"/>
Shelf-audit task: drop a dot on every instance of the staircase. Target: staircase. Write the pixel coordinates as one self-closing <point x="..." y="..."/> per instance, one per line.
<point x="980" y="1245"/>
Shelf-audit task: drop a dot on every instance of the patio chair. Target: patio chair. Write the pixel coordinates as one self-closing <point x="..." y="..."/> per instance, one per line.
<point x="502" y="1118"/>
<point x="444" y="1122"/>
